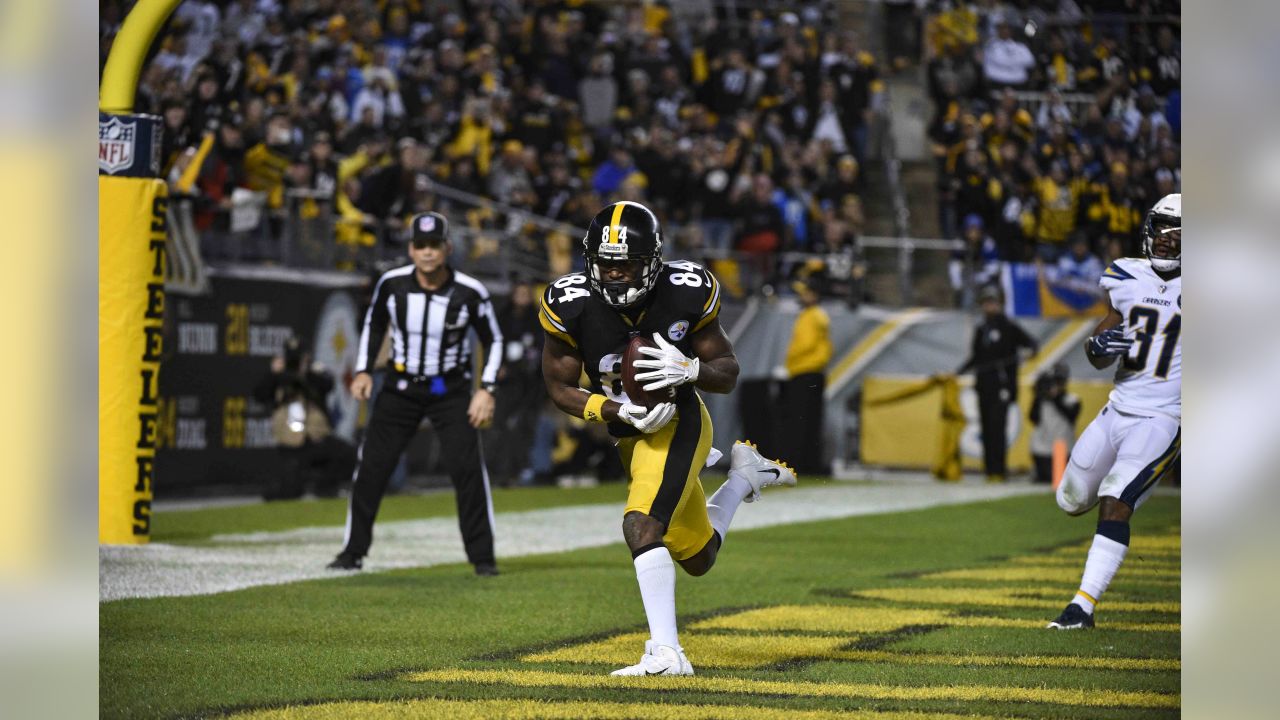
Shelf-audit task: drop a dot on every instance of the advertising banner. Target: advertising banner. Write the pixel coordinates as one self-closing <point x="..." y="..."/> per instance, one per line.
<point x="213" y="432"/>
<point x="1035" y="290"/>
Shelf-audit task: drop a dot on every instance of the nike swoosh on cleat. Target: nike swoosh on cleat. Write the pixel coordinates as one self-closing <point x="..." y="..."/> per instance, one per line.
<point x="646" y="672"/>
<point x="775" y="472"/>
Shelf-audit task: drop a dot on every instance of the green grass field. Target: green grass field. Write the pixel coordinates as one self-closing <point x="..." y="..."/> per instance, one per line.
<point x="927" y="613"/>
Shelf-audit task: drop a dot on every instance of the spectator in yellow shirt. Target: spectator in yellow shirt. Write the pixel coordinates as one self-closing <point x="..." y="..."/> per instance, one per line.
<point x="265" y="164"/>
<point x="803" y="402"/>
<point x="1058" y="199"/>
<point x="1114" y="213"/>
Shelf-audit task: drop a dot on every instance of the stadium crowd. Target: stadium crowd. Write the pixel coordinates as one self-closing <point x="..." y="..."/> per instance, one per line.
<point x="1056" y="127"/>
<point x="745" y="131"/>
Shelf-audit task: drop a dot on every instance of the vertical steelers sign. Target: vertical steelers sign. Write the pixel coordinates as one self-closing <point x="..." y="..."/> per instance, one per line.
<point x="132" y="207"/>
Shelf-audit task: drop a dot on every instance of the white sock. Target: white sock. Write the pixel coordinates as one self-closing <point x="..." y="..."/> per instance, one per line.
<point x="656" y="574"/>
<point x="725" y="501"/>
<point x="1104" y="560"/>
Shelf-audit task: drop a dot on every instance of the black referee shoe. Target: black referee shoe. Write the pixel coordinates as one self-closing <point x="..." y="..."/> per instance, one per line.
<point x="486" y="569"/>
<point x="345" y="561"/>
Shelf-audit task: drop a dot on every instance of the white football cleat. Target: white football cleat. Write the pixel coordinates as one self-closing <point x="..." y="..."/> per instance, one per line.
<point x="758" y="470"/>
<point x="658" y="660"/>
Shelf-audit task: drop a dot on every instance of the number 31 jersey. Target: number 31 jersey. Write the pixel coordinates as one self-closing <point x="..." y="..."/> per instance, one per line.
<point x="1149" y="378"/>
<point x="685" y="299"/>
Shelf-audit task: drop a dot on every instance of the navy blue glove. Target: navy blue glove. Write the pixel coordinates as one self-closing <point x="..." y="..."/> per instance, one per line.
<point x="1109" y="343"/>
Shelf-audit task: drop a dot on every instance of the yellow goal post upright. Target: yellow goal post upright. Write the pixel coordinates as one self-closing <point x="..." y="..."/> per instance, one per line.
<point x="132" y="206"/>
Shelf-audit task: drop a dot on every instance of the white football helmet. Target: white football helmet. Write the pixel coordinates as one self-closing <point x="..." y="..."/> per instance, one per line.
<point x="1165" y="217"/>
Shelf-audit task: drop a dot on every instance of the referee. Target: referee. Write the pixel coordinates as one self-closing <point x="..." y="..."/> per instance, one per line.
<point x="429" y="307"/>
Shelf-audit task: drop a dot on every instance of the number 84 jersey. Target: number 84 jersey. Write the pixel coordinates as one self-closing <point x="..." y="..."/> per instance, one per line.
<point x="685" y="299"/>
<point x="1149" y="378"/>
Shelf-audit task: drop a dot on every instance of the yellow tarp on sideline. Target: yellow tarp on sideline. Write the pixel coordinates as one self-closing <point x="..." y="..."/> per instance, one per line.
<point x="906" y="432"/>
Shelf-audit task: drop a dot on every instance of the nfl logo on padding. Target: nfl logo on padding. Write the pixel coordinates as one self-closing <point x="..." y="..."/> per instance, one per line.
<point x="115" y="144"/>
<point x="129" y="145"/>
<point x="677" y="330"/>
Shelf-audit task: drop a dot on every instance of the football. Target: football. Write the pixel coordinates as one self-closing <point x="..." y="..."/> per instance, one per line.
<point x="634" y="388"/>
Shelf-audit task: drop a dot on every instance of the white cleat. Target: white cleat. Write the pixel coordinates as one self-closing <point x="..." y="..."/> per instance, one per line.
<point x="658" y="660"/>
<point x="757" y="470"/>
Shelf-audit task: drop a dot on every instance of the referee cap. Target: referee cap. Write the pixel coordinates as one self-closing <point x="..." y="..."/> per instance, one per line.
<point x="429" y="227"/>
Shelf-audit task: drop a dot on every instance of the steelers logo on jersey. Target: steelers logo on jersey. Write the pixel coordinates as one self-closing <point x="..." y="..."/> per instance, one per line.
<point x="677" y="330"/>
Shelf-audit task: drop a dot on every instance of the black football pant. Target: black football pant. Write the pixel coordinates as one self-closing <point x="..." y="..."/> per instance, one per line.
<point x="396" y="415"/>
<point x="509" y="440"/>
<point x="994" y="414"/>
<point x="803" y="406"/>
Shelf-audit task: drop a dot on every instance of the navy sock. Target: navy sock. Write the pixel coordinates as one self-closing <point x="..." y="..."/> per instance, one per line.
<point x="1117" y="530"/>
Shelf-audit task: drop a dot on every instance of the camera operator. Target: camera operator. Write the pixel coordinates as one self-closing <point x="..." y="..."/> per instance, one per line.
<point x="1053" y="413"/>
<point x="296" y="389"/>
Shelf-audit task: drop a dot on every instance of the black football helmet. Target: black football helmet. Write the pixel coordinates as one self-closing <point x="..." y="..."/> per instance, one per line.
<point x="623" y="232"/>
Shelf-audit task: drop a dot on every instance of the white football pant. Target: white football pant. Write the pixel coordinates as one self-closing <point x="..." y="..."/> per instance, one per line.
<point x="1121" y="456"/>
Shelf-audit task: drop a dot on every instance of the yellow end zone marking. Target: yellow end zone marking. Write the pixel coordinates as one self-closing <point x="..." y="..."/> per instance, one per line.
<point x="1076" y="561"/>
<point x="1063" y="661"/>
<point x="1145" y="543"/>
<point x="421" y="709"/>
<point x="1030" y="597"/>
<point x="1082" y="697"/>
<point x="712" y="650"/>
<point x="1023" y="624"/>
<point x="1066" y="574"/>
<point x="1077" y="554"/>
<point x="1164" y="546"/>
<point x="861" y="620"/>
<point x="825" y="618"/>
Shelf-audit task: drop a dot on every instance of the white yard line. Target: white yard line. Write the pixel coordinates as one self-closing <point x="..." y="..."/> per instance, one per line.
<point x="235" y="562"/>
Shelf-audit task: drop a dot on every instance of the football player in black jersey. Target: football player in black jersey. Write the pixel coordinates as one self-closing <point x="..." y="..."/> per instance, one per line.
<point x="590" y="317"/>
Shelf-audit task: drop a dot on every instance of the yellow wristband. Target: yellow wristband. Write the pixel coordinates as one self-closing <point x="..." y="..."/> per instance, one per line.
<point x="594" y="411"/>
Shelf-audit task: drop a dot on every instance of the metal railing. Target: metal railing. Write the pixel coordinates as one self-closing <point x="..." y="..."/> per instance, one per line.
<point x="847" y="274"/>
<point x="494" y="241"/>
<point x="185" y="267"/>
<point x="898" y="200"/>
<point x="1034" y="100"/>
<point x="304" y="233"/>
<point x="490" y="238"/>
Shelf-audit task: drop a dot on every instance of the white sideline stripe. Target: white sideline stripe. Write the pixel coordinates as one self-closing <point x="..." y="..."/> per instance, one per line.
<point x="245" y="560"/>
<point x="739" y="327"/>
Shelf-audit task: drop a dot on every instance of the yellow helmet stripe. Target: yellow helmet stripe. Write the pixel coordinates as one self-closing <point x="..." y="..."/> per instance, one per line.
<point x="613" y="221"/>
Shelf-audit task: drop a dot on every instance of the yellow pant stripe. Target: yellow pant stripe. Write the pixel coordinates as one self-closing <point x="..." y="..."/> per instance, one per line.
<point x="663" y="469"/>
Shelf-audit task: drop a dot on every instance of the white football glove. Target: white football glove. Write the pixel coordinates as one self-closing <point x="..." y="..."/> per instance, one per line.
<point x="668" y="368"/>
<point x="644" y="419"/>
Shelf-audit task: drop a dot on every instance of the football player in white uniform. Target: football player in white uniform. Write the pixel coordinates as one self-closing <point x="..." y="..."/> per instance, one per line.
<point x="1137" y="437"/>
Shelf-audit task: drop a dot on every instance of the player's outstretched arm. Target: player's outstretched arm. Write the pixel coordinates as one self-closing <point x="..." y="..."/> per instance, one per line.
<point x="718" y="372"/>
<point x="1107" y="341"/>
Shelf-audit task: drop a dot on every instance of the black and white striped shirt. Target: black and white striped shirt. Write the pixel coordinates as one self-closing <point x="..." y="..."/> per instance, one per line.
<point x="429" y="327"/>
